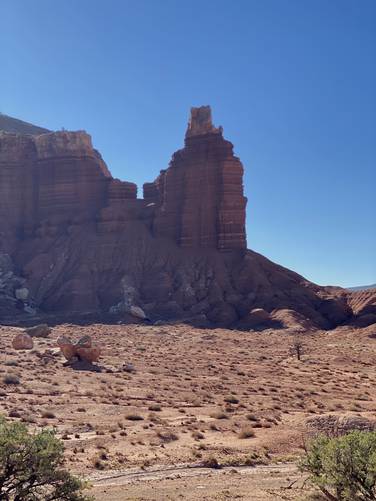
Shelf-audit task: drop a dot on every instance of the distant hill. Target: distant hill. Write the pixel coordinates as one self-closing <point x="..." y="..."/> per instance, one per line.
<point x="362" y="287"/>
<point x="10" y="124"/>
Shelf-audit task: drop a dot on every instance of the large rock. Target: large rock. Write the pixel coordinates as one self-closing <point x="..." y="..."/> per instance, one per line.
<point x="257" y="318"/>
<point x="66" y="346"/>
<point x="83" y="349"/>
<point x="41" y="330"/>
<point x="22" y="341"/>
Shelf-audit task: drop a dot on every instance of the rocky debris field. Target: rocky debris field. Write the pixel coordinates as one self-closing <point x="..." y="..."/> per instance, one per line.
<point x="172" y="394"/>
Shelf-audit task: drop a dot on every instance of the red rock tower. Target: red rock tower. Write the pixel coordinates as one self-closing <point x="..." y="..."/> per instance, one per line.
<point x="200" y="195"/>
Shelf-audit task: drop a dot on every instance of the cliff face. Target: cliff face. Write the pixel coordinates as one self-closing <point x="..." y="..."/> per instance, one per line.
<point x="51" y="180"/>
<point x="73" y="239"/>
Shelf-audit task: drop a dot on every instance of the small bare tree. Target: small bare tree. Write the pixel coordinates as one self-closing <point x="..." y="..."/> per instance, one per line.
<point x="297" y="348"/>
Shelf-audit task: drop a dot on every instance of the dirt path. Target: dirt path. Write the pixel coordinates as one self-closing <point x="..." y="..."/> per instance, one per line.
<point x="196" y="483"/>
<point x="129" y="476"/>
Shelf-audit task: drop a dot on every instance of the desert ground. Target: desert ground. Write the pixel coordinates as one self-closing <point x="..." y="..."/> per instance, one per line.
<point x="169" y="402"/>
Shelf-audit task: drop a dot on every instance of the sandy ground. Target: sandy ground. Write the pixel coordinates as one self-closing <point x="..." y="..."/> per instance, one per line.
<point x="188" y="397"/>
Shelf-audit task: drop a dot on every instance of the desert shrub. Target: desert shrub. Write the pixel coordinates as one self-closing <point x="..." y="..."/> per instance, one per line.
<point x="31" y="466"/>
<point x="48" y="415"/>
<point x="11" y="379"/>
<point x="246" y="433"/>
<point x="231" y="400"/>
<point x="343" y="468"/>
<point x="167" y="436"/>
<point x="219" y="415"/>
<point x="211" y="462"/>
<point x="197" y="435"/>
<point x="134" y="417"/>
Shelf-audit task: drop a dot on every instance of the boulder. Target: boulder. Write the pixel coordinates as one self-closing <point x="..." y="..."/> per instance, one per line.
<point x="41" y="330"/>
<point x="255" y="319"/>
<point x="137" y="312"/>
<point x="22" y="294"/>
<point x="83" y="349"/>
<point x="91" y="354"/>
<point x="66" y="347"/>
<point x="22" y="341"/>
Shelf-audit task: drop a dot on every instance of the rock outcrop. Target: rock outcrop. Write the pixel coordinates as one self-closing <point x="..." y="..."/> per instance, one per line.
<point x="74" y="240"/>
<point x="363" y="304"/>
<point x="200" y="196"/>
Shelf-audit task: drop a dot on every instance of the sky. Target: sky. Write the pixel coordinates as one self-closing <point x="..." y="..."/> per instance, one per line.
<point x="292" y="82"/>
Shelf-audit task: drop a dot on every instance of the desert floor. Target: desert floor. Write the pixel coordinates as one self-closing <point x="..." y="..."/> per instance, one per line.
<point x="172" y="399"/>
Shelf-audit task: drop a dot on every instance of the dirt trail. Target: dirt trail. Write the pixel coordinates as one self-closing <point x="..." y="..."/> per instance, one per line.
<point x="129" y="476"/>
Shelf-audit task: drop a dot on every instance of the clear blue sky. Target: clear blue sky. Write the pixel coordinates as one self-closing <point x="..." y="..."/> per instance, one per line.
<point x="292" y="82"/>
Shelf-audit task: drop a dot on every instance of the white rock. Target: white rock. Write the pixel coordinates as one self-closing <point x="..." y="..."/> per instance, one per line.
<point x="137" y="312"/>
<point x="22" y="293"/>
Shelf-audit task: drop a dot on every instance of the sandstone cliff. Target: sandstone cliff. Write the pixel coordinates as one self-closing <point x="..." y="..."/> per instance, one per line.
<point x="200" y="196"/>
<point x="75" y="240"/>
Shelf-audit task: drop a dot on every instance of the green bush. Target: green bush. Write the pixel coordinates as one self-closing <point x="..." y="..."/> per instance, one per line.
<point x="31" y="467"/>
<point x="343" y="468"/>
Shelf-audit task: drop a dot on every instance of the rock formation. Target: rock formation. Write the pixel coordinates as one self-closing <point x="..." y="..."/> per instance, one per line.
<point x="363" y="305"/>
<point x="200" y="196"/>
<point x="73" y="240"/>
